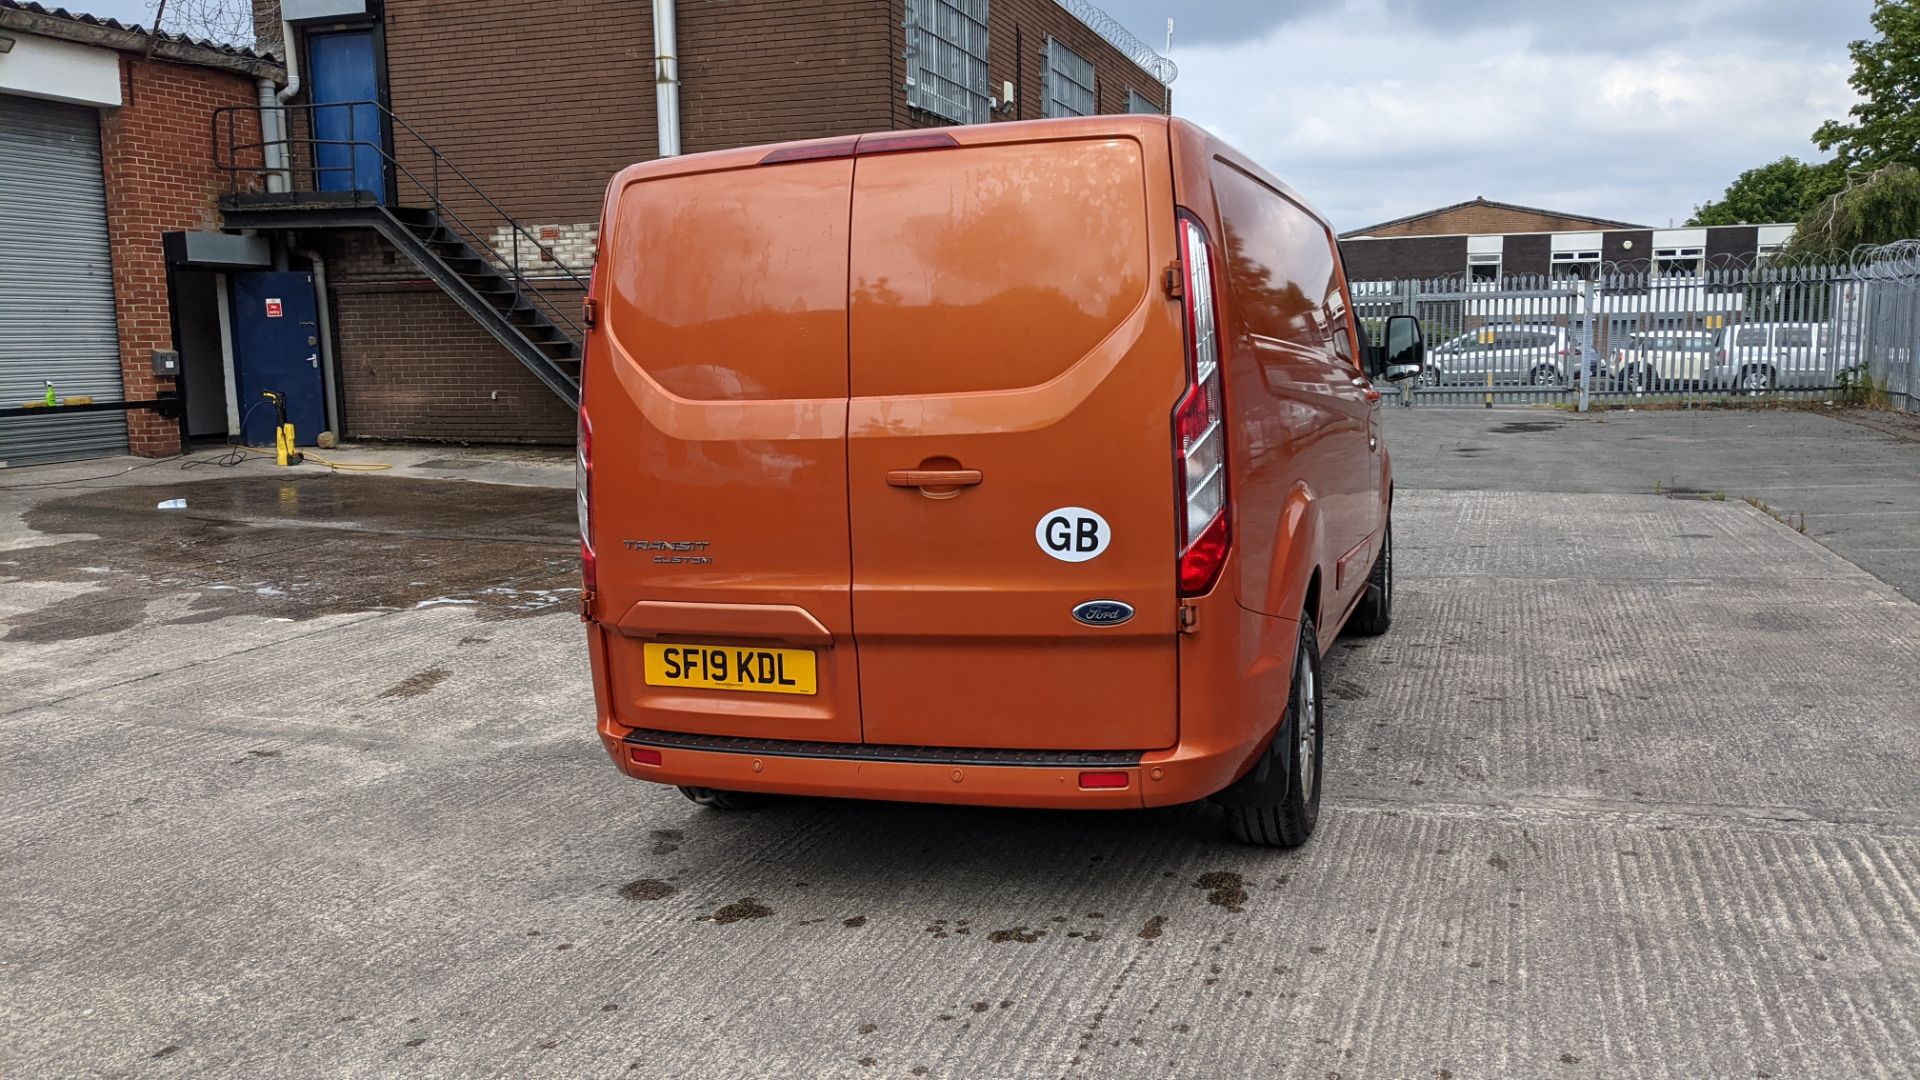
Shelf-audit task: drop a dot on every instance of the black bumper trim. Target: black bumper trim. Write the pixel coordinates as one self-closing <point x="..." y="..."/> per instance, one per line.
<point x="915" y="755"/>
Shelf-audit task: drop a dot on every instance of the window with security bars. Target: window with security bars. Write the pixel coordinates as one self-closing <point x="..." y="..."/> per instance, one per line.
<point x="1069" y="82"/>
<point x="1138" y="102"/>
<point x="947" y="59"/>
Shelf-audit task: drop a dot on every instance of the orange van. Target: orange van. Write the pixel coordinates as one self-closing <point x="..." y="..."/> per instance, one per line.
<point x="1023" y="464"/>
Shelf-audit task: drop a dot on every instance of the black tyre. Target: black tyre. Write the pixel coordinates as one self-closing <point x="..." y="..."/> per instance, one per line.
<point x="1756" y="379"/>
<point x="715" y="799"/>
<point x="1545" y="375"/>
<point x="1639" y="379"/>
<point x="1429" y="376"/>
<point x="1375" y="613"/>
<point x="1278" y="802"/>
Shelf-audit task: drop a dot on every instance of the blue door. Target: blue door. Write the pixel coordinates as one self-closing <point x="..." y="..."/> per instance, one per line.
<point x="276" y="346"/>
<point x="352" y="138"/>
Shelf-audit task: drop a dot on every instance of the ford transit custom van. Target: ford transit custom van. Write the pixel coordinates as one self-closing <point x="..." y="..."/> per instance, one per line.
<point x="1023" y="464"/>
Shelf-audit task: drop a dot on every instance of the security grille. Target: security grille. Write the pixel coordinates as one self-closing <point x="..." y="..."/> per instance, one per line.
<point x="1069" y="82"/>
<point x="1140" y="103"/>
<point x="57" y="320"/>
<point x="947" y="59"/>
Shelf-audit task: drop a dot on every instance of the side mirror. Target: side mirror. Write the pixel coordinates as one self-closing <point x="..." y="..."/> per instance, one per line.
<point x="1405" y="351"/>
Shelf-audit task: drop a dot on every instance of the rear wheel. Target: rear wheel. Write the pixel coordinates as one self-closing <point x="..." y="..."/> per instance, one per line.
<point x="1546" y="375"/>
<point x="1278" y="802"/>
<point x="715" y="799"/>
<point x="1429" y="376"/>
<point x="1375" y="613"/>
<point x="1639" y="379"/>
<point x="1756" y="380"/>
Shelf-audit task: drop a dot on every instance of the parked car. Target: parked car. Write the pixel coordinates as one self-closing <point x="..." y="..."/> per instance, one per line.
<point x="1758" y="357"/>
<point x="1657" y="360"/>
<point x="1513" y="353"/>
<point x="951" y="478"/>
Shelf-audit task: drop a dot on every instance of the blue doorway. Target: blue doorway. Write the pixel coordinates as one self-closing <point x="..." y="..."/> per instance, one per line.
<point x="351" y="152"/>
<point x="276" y="347"/>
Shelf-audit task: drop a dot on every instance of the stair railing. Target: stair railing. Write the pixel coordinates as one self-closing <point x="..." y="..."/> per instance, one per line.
<point x="441" y="178"/>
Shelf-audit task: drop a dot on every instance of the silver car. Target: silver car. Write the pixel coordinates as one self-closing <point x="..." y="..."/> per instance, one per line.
<point x="1527" y="354"/>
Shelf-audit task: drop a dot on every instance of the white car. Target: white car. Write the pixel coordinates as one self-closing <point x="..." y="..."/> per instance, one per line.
<point x="1757" y="357"/>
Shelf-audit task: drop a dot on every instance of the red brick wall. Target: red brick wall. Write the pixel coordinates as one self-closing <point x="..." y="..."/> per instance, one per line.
<point x="160" y="178"/>
<point x="414" y="365"/>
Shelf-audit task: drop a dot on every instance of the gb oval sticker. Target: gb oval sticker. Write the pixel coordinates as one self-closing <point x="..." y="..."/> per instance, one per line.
<point x="1072" y="534"/>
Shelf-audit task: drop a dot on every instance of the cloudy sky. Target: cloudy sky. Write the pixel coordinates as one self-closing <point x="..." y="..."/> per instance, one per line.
<point x="1629" y="109"/>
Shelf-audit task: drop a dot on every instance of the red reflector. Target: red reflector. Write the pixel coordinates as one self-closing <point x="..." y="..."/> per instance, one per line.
<point x="819" y="151"/>
<point x="1103" y="780"/>
<point x="643" y="755"/>
<point x="1201" y="562"/>
<point x="895" y="144"/>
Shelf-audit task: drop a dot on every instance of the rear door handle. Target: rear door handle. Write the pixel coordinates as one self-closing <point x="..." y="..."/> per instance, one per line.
<point x="926" y="478"/>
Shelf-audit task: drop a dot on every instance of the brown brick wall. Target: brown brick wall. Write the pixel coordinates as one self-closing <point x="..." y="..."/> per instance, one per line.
<point x="1411" y="257"/>
<point x="541" y="111"/>
<point x="414" y="365"/>
<point x="160" y="178"/>
<point x="1482" y="220"/>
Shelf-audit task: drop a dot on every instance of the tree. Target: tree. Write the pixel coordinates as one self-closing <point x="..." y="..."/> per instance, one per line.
<point x="1879" y="208"/>
<point x="1784" y="190"/>
<point x="1886" y="73"/>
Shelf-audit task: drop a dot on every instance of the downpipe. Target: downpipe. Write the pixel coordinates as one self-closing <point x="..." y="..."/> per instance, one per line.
<point x="325" y="328"/>
<point x="273" y="148"/>
<point x="286" y="94"/>
<point x="666" y="78"/>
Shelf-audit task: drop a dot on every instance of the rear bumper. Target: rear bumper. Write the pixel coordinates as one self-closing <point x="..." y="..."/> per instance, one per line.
<point x="1011" y="778"/>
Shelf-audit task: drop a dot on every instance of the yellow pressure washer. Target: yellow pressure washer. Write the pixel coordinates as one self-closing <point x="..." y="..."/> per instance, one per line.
<point x="283" y="449"/>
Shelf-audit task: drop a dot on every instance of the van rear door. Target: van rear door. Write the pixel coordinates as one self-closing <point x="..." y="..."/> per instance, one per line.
<point x="717" y="396"/>
<point x="1014" y="365"/>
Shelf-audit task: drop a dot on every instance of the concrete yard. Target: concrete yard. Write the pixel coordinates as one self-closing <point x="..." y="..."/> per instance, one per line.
<point x="301" y="781"/>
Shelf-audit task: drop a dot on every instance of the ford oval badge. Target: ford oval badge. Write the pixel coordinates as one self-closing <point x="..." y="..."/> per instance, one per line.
<point x="1103" y="612"/>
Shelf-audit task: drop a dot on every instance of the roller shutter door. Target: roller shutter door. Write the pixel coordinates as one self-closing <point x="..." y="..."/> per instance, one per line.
<point x="56" y="282"/>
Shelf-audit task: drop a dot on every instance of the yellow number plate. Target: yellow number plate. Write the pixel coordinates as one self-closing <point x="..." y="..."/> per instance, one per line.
<point x="731" y="667"/>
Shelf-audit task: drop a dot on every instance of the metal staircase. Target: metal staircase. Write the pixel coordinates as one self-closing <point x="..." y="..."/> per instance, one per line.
<point x="524" y="296"/>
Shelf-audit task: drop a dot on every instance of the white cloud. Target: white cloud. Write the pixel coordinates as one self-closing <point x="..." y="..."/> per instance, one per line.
<point x="1373" y="109"/>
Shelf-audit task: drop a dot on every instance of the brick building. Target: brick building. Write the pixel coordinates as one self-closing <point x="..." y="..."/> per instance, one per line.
<point x="501" y="124"/>
<point x="1484" y="241"/>
<point x="103" y="156"/>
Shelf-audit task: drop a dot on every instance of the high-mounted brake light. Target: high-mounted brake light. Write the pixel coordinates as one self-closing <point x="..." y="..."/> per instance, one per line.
<point x="1199" y="424"/>
<point x="819" y="151"/>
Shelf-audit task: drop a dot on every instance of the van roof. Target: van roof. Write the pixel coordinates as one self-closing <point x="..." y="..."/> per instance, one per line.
<point x="1136" y="125"/>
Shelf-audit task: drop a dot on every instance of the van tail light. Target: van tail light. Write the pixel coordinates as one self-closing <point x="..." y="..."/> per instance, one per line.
<point x="583" y="456"/>
<point x="1199" y="424"/>
<point x="583" y="499"/>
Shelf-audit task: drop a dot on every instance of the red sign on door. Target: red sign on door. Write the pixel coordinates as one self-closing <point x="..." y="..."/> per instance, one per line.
<point x="274" y="310"/>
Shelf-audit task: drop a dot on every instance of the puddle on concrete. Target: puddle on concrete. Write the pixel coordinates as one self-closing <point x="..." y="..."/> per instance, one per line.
<point x="296" y="549"/>
<point x="1522" y="427"/>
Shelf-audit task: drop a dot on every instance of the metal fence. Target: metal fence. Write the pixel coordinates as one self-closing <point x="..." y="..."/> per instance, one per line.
<point x="1656" y="335"/>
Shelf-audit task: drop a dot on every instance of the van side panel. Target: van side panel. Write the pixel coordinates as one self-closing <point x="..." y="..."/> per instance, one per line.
<point x="1007" y="316"/>
<point x="718" y="397"/>
<point x="1295" y="388"/>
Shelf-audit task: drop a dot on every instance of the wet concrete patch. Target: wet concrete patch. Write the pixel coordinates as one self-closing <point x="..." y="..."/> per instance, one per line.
<point x="647" y="889"/>
<point x="1224" y="889"/>
<point x="295" y="549"/>
<point x="418" y="684"/>
<point x="746" y="907"/>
